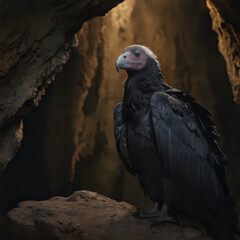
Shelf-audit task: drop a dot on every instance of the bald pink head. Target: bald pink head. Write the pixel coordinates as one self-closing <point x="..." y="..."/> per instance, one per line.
<point x="138" y="59"/>
<point x="133" y="58"/>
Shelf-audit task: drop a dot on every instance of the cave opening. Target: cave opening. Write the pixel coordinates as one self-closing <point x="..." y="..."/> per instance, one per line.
<point x="68" y="141"/>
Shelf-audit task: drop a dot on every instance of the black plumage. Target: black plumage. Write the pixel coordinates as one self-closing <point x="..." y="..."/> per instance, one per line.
<point x="169" y="141"/>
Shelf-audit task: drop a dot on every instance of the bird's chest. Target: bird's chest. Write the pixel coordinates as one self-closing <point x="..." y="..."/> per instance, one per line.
<point x="141" y="130"/>
<point x="135" y="107"/>
<point x="136" y="113"/>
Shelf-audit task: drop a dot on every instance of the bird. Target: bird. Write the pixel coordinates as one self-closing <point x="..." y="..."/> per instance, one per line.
<point x="169" y="141"/>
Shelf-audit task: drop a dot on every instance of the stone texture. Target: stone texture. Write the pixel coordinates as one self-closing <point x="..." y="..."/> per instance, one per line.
<point x="36" y="39"/>
<point x="226" y="23"/>
<point x="33" y="51"/>
<point x="10" y="141"/>
<point x="91" y="216"/>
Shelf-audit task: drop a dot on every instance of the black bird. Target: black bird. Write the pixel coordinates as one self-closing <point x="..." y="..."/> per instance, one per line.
<point x="169" y="141"/>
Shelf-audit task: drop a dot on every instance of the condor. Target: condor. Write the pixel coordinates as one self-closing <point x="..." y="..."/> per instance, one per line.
<point x="169" y="141"/>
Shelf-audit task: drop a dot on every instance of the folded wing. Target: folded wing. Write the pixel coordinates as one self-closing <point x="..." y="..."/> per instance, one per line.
<point x="120" y="137"/>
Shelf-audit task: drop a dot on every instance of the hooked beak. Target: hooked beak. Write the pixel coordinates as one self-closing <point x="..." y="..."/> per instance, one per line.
<point x="121" y="62"/>
<point x="117" y="65"/>
<point x="124" y="61"/>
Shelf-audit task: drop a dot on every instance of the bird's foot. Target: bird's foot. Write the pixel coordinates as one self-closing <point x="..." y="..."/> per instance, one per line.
<point x="164" y="219"/>
<point x="149" y="214"/>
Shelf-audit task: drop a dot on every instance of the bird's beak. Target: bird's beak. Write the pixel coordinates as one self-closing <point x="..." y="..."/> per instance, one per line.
<point x="117" y="65"/>
<point x="121" y="62"/>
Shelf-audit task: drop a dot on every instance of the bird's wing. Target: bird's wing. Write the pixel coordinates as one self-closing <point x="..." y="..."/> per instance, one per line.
<point x="120" y="137"/>
<point x="184" y="148"/>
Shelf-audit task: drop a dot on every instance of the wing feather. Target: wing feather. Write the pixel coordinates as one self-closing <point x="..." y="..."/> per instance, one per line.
<point x="184" y="150"/>
<point x="120" y="137"/>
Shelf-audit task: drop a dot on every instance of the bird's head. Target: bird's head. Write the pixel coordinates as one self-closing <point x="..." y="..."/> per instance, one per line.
<point x="138" y="58"/>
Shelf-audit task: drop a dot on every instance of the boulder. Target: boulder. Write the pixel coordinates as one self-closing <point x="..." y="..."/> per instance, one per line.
<point x="88" y="215"/>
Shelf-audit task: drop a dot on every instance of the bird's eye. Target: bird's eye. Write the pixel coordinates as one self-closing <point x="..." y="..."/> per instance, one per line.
<point x="137" y="54"/>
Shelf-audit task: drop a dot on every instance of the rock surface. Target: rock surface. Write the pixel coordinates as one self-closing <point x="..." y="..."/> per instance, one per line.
<point x="88" y="215"/>
<point x="36" y="39"/>
<point x="10" y="141"/>
<point x="226" y="23"/>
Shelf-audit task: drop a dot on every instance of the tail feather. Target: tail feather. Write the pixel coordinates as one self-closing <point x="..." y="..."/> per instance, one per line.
<point x="224" y="224"/>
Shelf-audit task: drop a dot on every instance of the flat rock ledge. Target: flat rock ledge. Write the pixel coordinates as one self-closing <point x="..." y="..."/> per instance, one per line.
<point x="88" y="215"/>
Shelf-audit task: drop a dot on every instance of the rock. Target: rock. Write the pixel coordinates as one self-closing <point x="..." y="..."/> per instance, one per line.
<point x="226" y="23"/>
<point x="88" y="215"/>
<point x="34" y="49"/>
<point x="10" y="141"/>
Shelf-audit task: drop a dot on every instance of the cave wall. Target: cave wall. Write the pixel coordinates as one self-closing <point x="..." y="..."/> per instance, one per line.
<point x="68" y="140"/>
<point x="190" y="61"/>
<point x="36" y="39"/>
<point x="71" y="132"/>
<point x="226" y="23"/>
